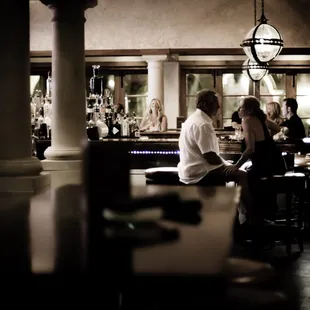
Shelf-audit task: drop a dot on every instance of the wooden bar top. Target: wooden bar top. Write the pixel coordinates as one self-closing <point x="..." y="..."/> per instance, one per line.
<point x="45" y="233"/>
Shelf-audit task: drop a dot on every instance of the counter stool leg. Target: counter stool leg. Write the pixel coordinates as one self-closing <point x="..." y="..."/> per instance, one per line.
<point x="301" y="220"/>
<point x="288" y="241"/>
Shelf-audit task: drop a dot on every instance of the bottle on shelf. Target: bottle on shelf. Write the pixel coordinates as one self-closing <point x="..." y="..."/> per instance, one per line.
<point x="33" y="110"/>
<point x="96" y="82"/>
<point x="48" y="85"/>
<point x="96" y="109"/>
<point x="125" y="127"/>
<point x="102" y="128"/>
<point x="116" y="129"/>
<point x="134" y="127"/>
<point x="89" y="110"/>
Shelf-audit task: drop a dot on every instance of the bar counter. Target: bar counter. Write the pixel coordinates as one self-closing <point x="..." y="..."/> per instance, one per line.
<point x="157" y="150"/>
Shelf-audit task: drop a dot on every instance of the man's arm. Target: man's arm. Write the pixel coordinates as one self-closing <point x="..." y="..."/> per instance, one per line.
<point x="235" y="125"/>
<point x="207" y="142"/>
<point x="213" y="159"/>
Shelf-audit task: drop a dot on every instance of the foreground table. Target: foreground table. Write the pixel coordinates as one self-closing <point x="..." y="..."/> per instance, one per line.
<point x="43" y="244"/>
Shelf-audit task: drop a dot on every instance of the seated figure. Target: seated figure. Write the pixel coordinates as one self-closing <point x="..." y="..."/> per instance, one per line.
<point x="154" y="119"/>
<point x="200" y="161"/>
<point x="262" y="151"/>
<point x="273" y="110"/>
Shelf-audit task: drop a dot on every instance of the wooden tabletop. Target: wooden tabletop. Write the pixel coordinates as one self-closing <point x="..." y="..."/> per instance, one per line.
<point x="47" y="233"/>
<point x="201" y="249"/>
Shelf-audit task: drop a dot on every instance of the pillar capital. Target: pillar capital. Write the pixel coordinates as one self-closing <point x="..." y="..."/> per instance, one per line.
<point x="154" y="58"/>
<point x="60" y="3"/>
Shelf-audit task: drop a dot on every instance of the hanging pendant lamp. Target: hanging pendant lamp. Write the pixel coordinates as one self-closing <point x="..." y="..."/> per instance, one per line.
<point x="263" y="42"/>
<point x="254" y="70"/>
<point x="251" y="68"/>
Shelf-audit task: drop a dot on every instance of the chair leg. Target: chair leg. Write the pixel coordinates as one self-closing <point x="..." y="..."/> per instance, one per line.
<point x="288" y="242"/>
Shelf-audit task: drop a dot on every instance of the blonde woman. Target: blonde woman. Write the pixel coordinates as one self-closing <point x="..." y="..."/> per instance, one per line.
<point x="273" y="110"/>
<point x="154" y="119"/>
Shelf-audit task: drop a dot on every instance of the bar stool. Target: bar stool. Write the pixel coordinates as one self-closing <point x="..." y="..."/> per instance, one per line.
<point x="162" y="175"/>
<point x="291" y="184"/>
<point x="302" y="164"/>
<point x="240" y="271"/>
<point x="252" y="285"/>
<point x="168" y="176"/>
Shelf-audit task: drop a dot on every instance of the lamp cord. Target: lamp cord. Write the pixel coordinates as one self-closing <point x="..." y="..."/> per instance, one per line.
<point x="254" y="12"/>
<point x="263" y="7"/>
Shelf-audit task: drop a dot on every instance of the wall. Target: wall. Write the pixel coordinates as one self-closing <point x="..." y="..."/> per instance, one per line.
<point x="149" y="24"/>
<point x="139" y="24"/>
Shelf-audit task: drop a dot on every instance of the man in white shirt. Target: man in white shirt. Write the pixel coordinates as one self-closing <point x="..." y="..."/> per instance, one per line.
<point x="200" y="162"/>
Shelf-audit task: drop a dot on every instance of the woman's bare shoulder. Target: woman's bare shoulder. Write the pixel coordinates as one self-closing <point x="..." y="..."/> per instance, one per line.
<point x="249" y="121"/>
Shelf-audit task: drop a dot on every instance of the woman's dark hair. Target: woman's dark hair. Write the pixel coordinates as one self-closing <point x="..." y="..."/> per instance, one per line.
<point x="252" y="106"/>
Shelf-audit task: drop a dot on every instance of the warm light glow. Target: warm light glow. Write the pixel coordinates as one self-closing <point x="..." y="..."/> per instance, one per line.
<point x="266" y="41"/>
<point x="111" y="84"/>
<point x="303" y="88"/>
<point x="34" y="80"/>
<point x="226" y="77"/>
<point x="253" y="70"/>
<point x="245" y="82"/>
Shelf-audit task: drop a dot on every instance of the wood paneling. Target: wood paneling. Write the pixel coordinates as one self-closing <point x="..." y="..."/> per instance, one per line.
<point x="178" y="51"/>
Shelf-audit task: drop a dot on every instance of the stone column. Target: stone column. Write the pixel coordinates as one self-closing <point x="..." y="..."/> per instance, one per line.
<point x="18" y="169"/>
<point x="155" y="76"/>
<point x="68" y="84"/>
<point x="172" y="90"/>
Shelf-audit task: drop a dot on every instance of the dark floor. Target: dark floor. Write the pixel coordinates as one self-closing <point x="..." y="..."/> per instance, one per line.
<point x="293" y="275"/>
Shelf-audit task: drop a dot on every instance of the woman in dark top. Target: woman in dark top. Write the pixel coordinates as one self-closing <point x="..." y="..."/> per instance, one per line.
<point x="260" y="149"/>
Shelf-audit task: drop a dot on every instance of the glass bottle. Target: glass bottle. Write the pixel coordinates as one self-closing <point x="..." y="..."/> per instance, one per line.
<point x="48" y="85"/>
<point x="96" y="82"/>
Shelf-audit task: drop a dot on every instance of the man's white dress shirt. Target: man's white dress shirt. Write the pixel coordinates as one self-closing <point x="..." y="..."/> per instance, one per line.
<point x="197" y="137"/>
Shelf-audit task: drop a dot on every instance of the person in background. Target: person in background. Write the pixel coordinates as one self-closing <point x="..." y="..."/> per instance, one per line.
<point x="200" y="162"/>
<point x="273" y="110"/>
<point x="154" y="119"/>
<point x="262" y="151"/>
<point x="293" y="126"/>
<point x="236" y="120"/>
<point x="119" y="108"/>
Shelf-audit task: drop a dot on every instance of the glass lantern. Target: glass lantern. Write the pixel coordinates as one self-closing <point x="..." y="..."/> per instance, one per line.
<point x="263" y="42"/>
<point x="254" y="70"/>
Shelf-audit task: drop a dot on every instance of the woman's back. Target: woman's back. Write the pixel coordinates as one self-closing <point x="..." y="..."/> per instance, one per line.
<point x="257" y="128"/>
<point x="266" y="159"/>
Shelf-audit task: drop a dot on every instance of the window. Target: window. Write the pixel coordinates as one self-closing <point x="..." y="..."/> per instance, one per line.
<point x="235" y="87"/>
<point x="195" y="83"/>
<point x="232" y="85"/>
<point x="136" y="91"/>
<point x="272" y="88"/>
<point x="303" y="98"/>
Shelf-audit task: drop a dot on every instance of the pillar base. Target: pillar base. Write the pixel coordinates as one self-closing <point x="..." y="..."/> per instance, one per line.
<point x="25" y="184"/>
<point x="65" y="177"/>
<point x="63" y="154"/>
<point x="20" y="167"/>
<point x="61" y="165"/>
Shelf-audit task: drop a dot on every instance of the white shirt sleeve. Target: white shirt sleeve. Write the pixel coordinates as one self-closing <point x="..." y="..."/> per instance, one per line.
<point x="206" y="139"/>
